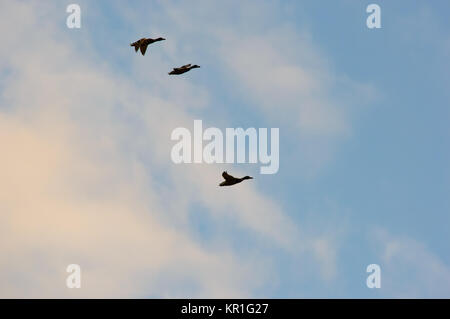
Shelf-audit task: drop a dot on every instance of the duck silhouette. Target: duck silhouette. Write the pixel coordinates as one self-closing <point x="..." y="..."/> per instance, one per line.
<point x="143" y="43"/>
<point x="231" y="180"/>
<point x="183" y="69"/>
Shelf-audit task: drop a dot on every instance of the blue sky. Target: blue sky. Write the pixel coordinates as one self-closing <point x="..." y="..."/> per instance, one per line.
<point x="364" y="175"/>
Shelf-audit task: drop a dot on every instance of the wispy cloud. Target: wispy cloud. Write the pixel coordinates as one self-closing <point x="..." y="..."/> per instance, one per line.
<point x="86" y="177"/>
<point x="410" y="269"/>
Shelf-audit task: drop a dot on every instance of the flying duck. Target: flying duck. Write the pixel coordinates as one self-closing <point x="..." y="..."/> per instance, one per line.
<point x="183" y="69"/>
<point x="143" y="43"/>
<point x="230" y="180"/>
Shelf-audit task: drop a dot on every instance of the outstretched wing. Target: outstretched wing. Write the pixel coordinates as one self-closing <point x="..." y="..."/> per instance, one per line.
<point x="143" y="48"/>
<point x="135" y="45"/>
<point x="227" y="176"/>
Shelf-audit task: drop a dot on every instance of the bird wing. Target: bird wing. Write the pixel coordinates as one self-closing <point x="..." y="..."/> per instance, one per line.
<point x="143" y="48"/>
<point x="227" y="176"/>
<point x="185" y="66"/>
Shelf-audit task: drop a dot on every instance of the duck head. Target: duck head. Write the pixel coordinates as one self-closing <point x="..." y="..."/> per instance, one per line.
<point x="195" y="66"/>
<point x="247" y="177"/>
<point x="159" y="39"/>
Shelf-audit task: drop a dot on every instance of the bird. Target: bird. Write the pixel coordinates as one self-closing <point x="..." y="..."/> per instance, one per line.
<point x="183" y="69"/>
<point x="143" y="43"/>
<point x="231" y="180"/>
